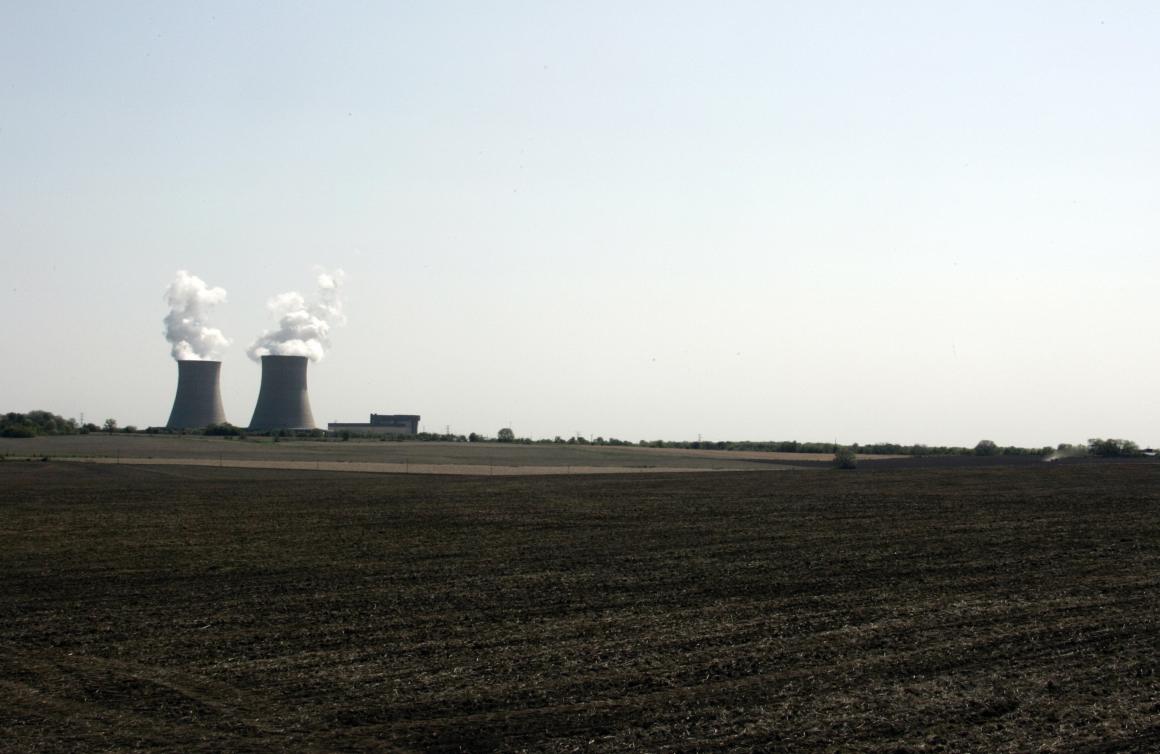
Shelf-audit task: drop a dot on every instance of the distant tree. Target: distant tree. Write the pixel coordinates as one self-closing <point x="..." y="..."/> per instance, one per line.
<point x="128" y="429"/>
<point x="473" y="437"/>
<point x="48" y="423"/>
<point x="506" y="435"/>
<point x="225" y="429"/>
<point x="986" y="448"/>
<point x="845" y="458"/>
<point x="1113" y="448"/>
<point x="110" y="425"/>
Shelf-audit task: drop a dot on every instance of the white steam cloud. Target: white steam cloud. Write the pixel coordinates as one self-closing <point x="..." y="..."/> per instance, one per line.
<point x="303" y="327"/>
<point x="190" y="301"/>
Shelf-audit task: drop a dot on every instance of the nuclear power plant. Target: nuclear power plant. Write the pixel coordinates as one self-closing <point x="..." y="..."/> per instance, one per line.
<point x="198" y="402"/>
<point x="282" y="399"/>
<point x="283" y="402"/>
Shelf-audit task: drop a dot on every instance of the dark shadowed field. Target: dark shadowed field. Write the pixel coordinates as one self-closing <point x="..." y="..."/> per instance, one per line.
<point x="202" y="610"/>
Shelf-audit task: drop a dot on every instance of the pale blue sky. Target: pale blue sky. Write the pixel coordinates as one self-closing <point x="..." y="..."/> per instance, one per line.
<point x="916" y="222"/>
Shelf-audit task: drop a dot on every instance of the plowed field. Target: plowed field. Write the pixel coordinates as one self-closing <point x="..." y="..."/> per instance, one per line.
<point x="203" y="610"/>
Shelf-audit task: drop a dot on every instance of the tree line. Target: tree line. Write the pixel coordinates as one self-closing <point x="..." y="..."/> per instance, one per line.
<point x="35" y="423"/>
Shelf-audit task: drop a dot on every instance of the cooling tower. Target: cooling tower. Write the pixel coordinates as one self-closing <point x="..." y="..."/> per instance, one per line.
<point x="282" y="399"/>
<point x="199" y="398"/>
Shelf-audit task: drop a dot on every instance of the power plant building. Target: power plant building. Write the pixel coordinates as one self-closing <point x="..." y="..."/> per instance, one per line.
<point x="380" y="424"/>
<point x="198" y="402"/>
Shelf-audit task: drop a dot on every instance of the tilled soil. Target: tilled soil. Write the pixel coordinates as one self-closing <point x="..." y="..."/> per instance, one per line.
<point x="201" y="609"/>
<point x="265" y="450"/>
<point x="404" y="468"/>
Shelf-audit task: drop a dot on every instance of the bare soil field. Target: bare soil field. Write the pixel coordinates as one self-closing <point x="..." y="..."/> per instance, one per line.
<point x="201" y="610"/>
<point x="373" y="452"/>
<point x="468" y="456"/>
<point x="398" y="468"/>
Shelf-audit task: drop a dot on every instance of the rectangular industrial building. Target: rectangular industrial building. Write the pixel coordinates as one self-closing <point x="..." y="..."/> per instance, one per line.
<point x="380" y="424"/>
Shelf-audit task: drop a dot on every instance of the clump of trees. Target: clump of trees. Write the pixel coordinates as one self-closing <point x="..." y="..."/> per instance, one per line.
<point x="845" y="458"/>
<point x="225" y="429"/>
<point x="36" y="423"/>
<point x="18" y="430"/>
<point x="986" y="448"/>
<point x="1113" y="448"/>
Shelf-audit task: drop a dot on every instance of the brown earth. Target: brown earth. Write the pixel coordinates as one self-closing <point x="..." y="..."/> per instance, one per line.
<point x="401" y="468"/>
<point x="201" y="609"/>
<point x="126" y="446"/>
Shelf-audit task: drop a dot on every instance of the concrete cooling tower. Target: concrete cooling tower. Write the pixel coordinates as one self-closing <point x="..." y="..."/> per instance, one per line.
<point x="199" y="398"/>
<point x="282" y="399"/>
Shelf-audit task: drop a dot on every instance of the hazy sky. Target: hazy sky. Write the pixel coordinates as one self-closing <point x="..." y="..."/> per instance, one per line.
<point x="916" y="222"/>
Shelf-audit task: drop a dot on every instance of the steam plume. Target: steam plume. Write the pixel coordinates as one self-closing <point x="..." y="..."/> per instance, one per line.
<point x="190" y="301"/>
<point x="303" y="327"/>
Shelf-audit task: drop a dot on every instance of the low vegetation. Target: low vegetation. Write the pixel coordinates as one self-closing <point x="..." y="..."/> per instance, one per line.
<point x="225" y="429"/>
